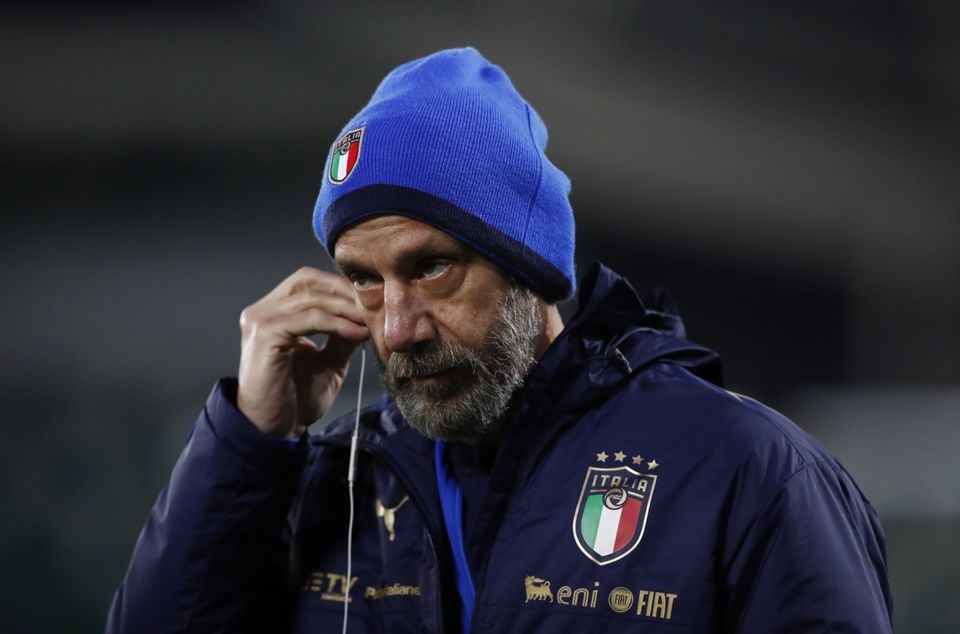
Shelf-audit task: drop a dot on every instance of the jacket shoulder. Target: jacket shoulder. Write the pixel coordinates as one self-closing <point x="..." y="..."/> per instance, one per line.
<point x="675" y="412"/>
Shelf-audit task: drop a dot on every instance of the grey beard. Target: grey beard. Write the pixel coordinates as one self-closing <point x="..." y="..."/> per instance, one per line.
<point x="469" y="409"/>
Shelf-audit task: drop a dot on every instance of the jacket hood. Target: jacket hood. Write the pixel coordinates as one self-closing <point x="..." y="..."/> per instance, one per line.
<point x="616" y="334"/>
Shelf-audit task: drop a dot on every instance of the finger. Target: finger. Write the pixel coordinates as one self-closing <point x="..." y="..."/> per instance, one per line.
<point x="283" y="330"/>
<point x="269" y="316"/>
<point x="340" y="349"/>
<point x="306" y="299"/>
<point x="307" y="277"/>
<point x="333" y="355"/>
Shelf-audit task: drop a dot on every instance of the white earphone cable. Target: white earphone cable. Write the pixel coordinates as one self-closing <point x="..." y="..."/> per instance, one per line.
<point x="351" y="476"/>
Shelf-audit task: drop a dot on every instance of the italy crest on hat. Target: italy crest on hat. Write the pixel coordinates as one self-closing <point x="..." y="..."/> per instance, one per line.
<point x="345" y="154"/>
<point x="612" y="512"/>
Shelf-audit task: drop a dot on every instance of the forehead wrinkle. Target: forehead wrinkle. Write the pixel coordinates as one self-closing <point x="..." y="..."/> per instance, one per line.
<point x="400" y="245"/>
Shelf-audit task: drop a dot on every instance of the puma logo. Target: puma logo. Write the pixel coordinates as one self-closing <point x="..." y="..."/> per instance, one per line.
<point x="389" y="516"/>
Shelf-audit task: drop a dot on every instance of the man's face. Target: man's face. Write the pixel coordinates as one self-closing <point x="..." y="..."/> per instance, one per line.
<point x="455" y="339"/>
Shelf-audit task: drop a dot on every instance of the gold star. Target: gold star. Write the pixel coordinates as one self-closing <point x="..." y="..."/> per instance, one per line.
<point x="602" y="456"/>
<point x="653" y="464"/>
<point x="638" y="459"/>
<point x="619" y="456"/>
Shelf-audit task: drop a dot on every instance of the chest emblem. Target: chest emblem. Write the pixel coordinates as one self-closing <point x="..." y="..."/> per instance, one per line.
<point x="389" y="515"/>
<point x="612" y="511"/>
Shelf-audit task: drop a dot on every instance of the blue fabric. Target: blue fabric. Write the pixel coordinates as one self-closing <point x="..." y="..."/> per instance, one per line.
<point x="450" y="128"/>
<point x="451" y="501"/>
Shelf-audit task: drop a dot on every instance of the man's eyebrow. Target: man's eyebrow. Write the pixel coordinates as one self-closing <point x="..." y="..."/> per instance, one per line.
<point x="425" y="249"/>
<point x="432" y="248"/>
<point x="344" y="265"/>
<point x="346" y="262"/>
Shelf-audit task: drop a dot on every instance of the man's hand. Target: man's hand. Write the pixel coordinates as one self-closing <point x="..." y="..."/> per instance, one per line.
<point x="286" y="380"/>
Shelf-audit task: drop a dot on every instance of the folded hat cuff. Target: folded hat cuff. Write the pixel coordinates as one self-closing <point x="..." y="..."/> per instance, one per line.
<point x="512" y="256"/>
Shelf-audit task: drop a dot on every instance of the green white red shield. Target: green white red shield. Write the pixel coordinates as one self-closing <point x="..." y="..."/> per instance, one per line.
<point x="612" y="512"/>
<point x="345" y="154"/>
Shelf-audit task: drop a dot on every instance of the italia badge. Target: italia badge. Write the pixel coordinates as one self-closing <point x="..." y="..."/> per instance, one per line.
<point x="613" y="509"/>
<point x="345" y="154"/>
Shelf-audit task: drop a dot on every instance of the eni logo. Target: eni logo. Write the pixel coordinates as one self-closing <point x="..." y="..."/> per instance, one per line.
<point x="537" y="589"/>
<point x="652" y="604"/>
<point x="389" y="516"/>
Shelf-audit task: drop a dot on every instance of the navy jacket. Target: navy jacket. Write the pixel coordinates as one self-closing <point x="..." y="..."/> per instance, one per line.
<point x="631" y="493"/>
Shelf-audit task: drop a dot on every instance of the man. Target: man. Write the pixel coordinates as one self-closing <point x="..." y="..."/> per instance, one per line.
<point x="520" y="474"/>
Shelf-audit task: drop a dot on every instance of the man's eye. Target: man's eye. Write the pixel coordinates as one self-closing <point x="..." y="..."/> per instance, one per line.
<point x="361" y="282"/>
<point x="434" y="268"/>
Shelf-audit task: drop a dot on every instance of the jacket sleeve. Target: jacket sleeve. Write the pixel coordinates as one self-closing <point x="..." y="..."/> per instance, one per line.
<point x="212" y="555"/>
<point x="813" y="560"/>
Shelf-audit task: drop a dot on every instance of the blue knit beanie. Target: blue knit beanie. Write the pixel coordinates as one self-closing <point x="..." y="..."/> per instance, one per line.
<point x="448" y="141"/>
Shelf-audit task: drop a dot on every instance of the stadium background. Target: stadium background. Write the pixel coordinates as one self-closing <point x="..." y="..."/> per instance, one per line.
<point x="788" y="170"/>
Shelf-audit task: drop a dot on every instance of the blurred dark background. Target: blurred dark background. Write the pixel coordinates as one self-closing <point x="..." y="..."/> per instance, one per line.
<point x="787" y="170"/>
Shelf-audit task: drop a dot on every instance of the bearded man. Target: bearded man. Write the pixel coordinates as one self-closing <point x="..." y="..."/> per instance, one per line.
<point x="519" y="474"/>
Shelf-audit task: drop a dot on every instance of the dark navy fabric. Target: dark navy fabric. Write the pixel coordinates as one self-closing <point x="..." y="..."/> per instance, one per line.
<point x="749" y="524"/>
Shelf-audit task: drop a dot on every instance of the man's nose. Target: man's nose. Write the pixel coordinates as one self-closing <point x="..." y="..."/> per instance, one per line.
<point x="406" y="320"/>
